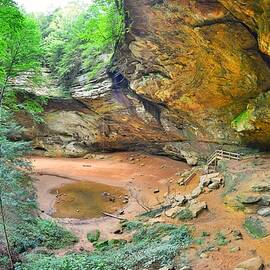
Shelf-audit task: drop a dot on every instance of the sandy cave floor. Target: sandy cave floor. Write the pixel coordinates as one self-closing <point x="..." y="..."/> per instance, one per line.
<point x="145" y="174"/>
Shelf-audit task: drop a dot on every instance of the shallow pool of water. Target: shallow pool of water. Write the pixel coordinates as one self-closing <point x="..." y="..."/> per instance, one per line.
<point x="84" y="200"/>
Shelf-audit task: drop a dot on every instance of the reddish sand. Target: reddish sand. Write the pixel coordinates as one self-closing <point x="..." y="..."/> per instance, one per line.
<point x="145" y="174"/>
<point x="140" y="173"/>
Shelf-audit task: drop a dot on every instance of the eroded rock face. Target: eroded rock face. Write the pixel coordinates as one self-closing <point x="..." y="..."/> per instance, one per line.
<point x="97" y="119"/>
<point x="256" y="15"/>
<point x="190" y="76"/>
<point x="199" y="60"/>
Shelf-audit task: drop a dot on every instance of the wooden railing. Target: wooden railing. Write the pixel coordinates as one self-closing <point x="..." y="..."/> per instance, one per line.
<point x="221" y="154"/>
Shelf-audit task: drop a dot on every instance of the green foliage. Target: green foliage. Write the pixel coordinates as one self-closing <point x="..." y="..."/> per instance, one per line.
<point x="4" y="262"/>
<point x="20" y="44"/>
<point x="184" y="214"/>
<point x="17" y="101"/>
<point x="255" y="227"/>
<point x="151" y="244"/>
<point x="93" y="236"/>
<point x="132" y="225"/>
<point x="154" y="212"/>
<point x="221" y="239"/>
<point x="109" y="244"/>
<point x="77" y="40"/>
<point x="41" y="233"/>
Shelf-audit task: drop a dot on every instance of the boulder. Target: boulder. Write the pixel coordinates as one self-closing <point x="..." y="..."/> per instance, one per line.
<point x="180" y="199"/>
<point x="197" y="207"/>
<point x="265" y="211"/>
<point x="249" y="199"/>
<point x="172" y="211"/>
<point x="206" y="179"/>
<point x="196" y="192"/>
<point x="255" y="263"/>
<point x="214" y="185"/>
<point x="262" y="187"/>
<point x="265" y="201"/>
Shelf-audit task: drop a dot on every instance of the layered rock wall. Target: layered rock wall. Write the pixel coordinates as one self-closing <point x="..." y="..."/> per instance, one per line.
<point x="189" y="77"/>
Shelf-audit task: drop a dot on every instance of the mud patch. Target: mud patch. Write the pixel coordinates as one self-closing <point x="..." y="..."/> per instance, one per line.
<point x="84" y="200"/>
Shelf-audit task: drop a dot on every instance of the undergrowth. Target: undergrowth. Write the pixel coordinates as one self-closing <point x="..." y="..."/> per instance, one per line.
<point x="41" y="233"/>
<point x="255" y="227"/>
<point x="155" y="244"/>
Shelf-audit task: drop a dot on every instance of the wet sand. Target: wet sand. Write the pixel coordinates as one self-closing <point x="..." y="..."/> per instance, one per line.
<point x="145" y="174"/>
<point x="137" y="173"/>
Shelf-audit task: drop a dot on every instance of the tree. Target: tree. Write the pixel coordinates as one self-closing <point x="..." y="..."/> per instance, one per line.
<point x="19" y="53"/>
<point x="20" y="44"/>
<point x="13" y="194"/>
<point x="75" y="40"/>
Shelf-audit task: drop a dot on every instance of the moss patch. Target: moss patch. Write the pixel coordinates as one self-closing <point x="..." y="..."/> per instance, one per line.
<point x="255" y="227"/>
<point x="243" y="121"/>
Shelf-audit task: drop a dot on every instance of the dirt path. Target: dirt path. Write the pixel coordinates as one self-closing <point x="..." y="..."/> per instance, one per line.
<point x="142" y="173"/>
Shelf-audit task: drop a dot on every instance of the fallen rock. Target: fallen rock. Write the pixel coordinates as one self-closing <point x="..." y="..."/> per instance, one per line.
<point x="186" y="268"/>
<point x="180" y="199"/>
<point x="249" y="199"/>
<point x="237" y="235"/>
<point x="191" y="157"/>
<point x="204" y="256"/>
<point x="156" y="191"/>
<point x="263" y="187"/>
<point x="255" y="263"/>
<point x="265" y="200"/>
<point x="196" y="192"/>
<point x="234" y="249"/>
<point x="214" y="185"/>
<point x="197" y="208"/>
<point x="206" y="179"/>
<point x="172" y="211"/>
<point x="265" y="211"/>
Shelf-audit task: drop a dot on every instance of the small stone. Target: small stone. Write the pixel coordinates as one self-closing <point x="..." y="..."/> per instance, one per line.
<point x="237" y="235"/>
<point x="118" y="231"/>
<point x="255" y="263"/>
<point x="204" y="255"/>
<point x="206" y="179"/>
<point x="125" y="201"/>
<point x="142" y="164"/>
<point x="214" y="185"/>
<point x="186" y="267"/>
<point x="214" y="249"/>
<point x="264" y="211"/>
<point x="234" y="249"/>
<point x="156" y="191"/>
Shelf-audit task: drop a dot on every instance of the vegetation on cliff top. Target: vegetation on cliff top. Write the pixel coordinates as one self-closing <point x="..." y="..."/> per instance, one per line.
<point x="81" y="42"/>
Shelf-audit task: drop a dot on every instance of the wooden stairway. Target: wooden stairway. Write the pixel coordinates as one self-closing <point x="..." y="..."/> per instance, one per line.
<point x="212" y="161"/>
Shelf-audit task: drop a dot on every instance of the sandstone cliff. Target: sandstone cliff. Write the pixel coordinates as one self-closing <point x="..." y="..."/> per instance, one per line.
<point x="188" y="77"/>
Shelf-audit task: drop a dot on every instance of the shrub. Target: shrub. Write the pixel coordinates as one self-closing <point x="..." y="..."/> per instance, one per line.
<point x="255" y="227"/>
<point x="184" y="214"/>
<point x="93" y="236"/>
<point x="221" y="239"/>
<point x="155" y="244"/>
<point x="41" y="233"/>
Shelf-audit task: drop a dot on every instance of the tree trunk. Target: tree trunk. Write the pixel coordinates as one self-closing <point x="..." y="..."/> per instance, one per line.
<point x="2" y="213"/>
